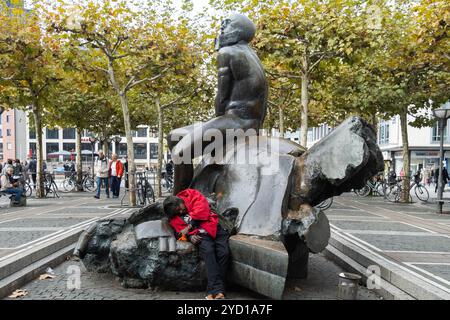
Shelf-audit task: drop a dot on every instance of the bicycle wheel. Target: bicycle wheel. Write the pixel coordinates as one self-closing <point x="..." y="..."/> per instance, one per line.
<point x="68" y="185"/>
<point x="324" y="205"/>
<point x="150" y="193"/>
<point x="28" y="190"/>
<point x="140" y="194"/>
<point x="393" y="193"/>
<point x="380" y="189"/>
<point x="421" y="193"/>
<point x="363" y="192"/>
<point x="89" y="184"/>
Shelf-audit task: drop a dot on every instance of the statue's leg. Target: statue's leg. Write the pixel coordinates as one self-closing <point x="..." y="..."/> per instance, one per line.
<point x="192" y="144"/>
<point x="183" y="172"/>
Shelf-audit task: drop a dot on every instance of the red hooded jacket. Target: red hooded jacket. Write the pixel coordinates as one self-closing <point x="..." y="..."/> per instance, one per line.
<point x="198" y="208"/>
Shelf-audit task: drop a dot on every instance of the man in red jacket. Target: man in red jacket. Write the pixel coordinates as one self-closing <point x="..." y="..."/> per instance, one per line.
<point x="191" y="217"/>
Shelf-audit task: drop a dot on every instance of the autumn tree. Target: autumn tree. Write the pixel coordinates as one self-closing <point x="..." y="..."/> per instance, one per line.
<point x="29" y="67"/>
<point x="137" y="43"/>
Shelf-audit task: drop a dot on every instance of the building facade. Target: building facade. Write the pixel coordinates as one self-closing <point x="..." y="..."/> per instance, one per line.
<point x="13" y="144"/>
<point x="423" y="144"/>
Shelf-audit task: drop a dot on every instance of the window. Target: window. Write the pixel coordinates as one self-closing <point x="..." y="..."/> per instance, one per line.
<point x="153" y="151"/>
<point x="8" y="132"/>
<point x="1" y="147"/>
<point x="69" y="133"/>
<point x="133" y="133"/>
<point x="33" y="149"/>
<point x="69" y="147"/>
<point x="435" y="133"/>
<point x="32" y="134"/>
<point x="9" y="146"/>
<point x="140" y="151"/>
<point x="122" y="150"/>
<point x="7" y="119"/>
<point x="142" y="132"/>
<point x="52" y="134"/>
<point x="383" y="134"/>
<point x="52" y="147"/>
<point x="1" y="133"/>
<point x="86" y="146"/>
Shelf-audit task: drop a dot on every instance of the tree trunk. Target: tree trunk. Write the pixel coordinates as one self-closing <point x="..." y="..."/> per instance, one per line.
<point x="281" y="120"/>
<point x="406" y="156"/>
<point x="40" y="192"/>
<point x="305" y="103"/>
<point x="160" y="148"/>
<point x="79" y="160"/>
<point x="127" y="125"/>
<point x="130" y="149"/>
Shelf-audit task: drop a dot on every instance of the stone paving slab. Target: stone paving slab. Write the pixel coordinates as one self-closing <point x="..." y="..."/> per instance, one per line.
<point x="440" y="270"/>
<point x="321" y="284"/>
<point x="375" y="225"/>
<point x="407" y="242"/>
<point x="43" y="222"/>
<point x="13" y="239"/>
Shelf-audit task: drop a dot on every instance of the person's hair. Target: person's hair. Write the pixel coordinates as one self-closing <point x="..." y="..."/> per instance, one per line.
<point x="10" y="161"/>
<point x="17" y="161"/>
<point x="170" y="204"/>
<point x="10" y="169"/>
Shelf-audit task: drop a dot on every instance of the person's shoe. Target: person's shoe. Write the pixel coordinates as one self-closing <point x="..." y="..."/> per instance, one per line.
<point x="96" y="197"/>
<point x="219" y="296"/>
<point x="107" y="197"/>
<point x="209" y="297"/>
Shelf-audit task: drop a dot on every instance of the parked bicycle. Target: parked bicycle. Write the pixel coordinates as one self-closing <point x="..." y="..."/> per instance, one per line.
<point x="88" y="183"/>
<point x="145" y="193"/>
<point x="394" y="193"/>
<point x="373" y="186"/>
<point x="324" y="205"/>
<point x="50" y="186"/>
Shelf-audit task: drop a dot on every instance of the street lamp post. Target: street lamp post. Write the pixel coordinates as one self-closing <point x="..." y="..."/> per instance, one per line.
<point x="442" y="114"/>
<point x="116" y="140"/>
<point x="107" y="141"/>
<point x="93" y="140"/>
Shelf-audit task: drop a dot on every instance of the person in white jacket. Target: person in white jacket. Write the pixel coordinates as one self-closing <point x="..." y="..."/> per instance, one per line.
<point x="102" y="174"/>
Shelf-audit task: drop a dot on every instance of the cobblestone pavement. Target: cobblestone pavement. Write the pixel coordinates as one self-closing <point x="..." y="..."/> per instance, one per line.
<point x="321" y="284"/>
<point x="412" y="236"/>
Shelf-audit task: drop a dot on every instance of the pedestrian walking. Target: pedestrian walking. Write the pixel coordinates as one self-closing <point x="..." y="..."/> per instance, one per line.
<point x="101" y="172"/>
<point x="445" y="178"/>
<point x="32" y="168"/>
<point x="115" y="173"/>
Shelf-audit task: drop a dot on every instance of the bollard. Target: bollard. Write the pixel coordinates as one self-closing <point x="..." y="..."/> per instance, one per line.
<point x="348" y="286"/>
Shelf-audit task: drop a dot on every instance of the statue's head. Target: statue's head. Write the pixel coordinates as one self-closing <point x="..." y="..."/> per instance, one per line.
<point x="234" y="29"/>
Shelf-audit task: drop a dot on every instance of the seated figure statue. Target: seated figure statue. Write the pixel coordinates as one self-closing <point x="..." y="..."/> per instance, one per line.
<point x="241" y="100"/>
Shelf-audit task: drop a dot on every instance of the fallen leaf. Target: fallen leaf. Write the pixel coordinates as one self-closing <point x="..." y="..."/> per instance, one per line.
<point x="18" y="293"/>
<point x="46" y="276"/>
<point x="297" y="289"/>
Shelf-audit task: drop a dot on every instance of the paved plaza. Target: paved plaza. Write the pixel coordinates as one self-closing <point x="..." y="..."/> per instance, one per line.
<point x="413" y="237"/>
<point x="44" y="219"/>
<point x="322" y="284"/>
<point x="410" y="236"/>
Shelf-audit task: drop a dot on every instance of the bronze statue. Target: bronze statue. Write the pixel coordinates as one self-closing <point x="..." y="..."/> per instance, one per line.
<point x="273" y="216"/>
<point x="241" y="100"/>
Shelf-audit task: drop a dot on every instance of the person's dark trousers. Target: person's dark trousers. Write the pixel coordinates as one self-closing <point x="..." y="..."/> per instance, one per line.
<point x="115" y="186"/>
<point x="33" y="177"/>
<point x="15" y="191"/>
<point x="99" y="186"/>
<point x="215" y="253"/>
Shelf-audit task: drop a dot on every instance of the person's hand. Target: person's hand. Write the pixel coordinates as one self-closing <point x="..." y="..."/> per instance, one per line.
<point x="196" y="239"/>
<point x="185" y="231"/>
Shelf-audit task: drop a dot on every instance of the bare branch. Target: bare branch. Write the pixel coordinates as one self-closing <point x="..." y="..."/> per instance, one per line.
<point x="132" y="83"/>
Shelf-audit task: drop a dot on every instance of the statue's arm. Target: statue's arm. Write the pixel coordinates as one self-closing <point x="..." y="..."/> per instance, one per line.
<point x="224" y="82"/>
